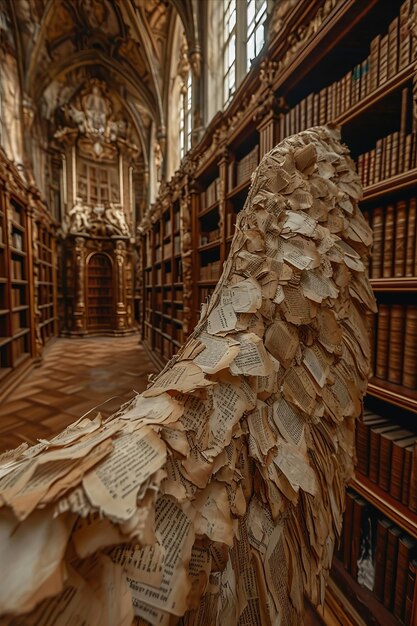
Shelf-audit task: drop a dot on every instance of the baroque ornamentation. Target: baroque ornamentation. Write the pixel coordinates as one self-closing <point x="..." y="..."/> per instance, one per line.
<point x="107" y="220"/>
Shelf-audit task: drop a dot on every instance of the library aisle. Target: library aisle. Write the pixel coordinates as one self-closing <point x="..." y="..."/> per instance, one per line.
<point x="75" y="377"/>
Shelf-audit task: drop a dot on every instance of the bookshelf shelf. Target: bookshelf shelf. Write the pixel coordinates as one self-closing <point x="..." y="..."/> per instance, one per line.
<point x="394" y="394"/>
<point x="209" y="246"/>
<point x="239" y="189"/>
<point x="209" y="209"/>
<point x="394" y="284"/>
<point x="392" y="185"/>
<point x="384" y="502"/>
<point x="393" y="84"/>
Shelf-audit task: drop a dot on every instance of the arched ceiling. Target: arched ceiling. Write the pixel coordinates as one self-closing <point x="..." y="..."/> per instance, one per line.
<point x="64" y="43"/>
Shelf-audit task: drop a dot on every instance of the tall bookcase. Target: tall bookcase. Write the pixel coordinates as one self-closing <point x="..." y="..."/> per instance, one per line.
<point x="27" y="276"/>
<point x="162" y="314"/>
<point x="350" y="63"/>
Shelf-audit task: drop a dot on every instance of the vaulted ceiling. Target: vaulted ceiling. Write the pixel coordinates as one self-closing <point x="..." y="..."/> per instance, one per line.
<point x="126" y="43"/>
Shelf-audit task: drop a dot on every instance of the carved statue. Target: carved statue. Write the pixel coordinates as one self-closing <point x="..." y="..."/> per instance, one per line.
<point x="116" y="219"/>
<point x="76" y="220"/>
<point x="216" y="496"/>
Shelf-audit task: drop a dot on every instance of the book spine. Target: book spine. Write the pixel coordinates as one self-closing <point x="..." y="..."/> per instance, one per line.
<point x="396" y="343"/>
<point x="358" y="510"/>
<point x="404" y="553"/>
<point x="410" y="255"/>
<point x="405" y="36"/>
<point x="393" y="48"/>
<point x="316" y="109"/>
<point x="400" y="238"/>
<point x="383" y="60"/>
<point x="380" y="557"/>
<point x="403" y="130"/>
<point x="385" y="454"/>
<point x="391" y="567"/>
<point x="374" y="58"/>
<point x="407" y="152"/>
<point x="397" y="468"/>
<point x="378" y="160"/>
<point x="394" y="170"/>
<point x="411" y="585"/>
<point x="371" y="171"/>
<point x="378" y="228"/>
<point x="409" y="378"/>
<point x="374" y="442"/>
<point x="405" y="488"/>
<point x="387" y="157"/>
<point x="412" y="503"/>
<point x="383" y="322"/>
<point x="323" y="105"/>
<point x="388" y="242"/>
<point x="362" y="447"/>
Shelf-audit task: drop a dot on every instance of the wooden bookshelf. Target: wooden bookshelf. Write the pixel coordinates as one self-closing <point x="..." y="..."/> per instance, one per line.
<point x="333" y="70"/>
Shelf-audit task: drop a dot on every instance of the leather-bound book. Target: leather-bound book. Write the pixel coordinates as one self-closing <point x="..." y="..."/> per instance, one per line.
<point x="383" y="525"/>
<point x="403" y="128"/>
<point x="393" y="160"/>
<point x="396" y="343"/>
<point x="405" y="36"/>
<point x="408" y="461"/>
<point x="393" y="47"/>
<point x="412" y="503"/>
<point x="323" y="105"/>
<point x="363" y="427"/>
<point x="406" y="551"/>
<point x="382" y="337"/>
<point x="374" y="448"/>
<point x="409" y="596"/>
<point x="347" y="529"/>
<point x="387" y="157"/>
<point x="400" y="238"/>
<point x="410" y="254"/>
<point x="408" y="152"/>
<point x="377" y="250"/>
<point x="394" y="534"/>
<point x="371" y="168"/>
<point x="388" y="252"/>
<point x="383" y="60"/>
<point x="374" y="59"/>
<point x="385" y="454"/>
<point x="398" y="465"/>
<point x="378" y="160"/>
<point x="359" y="508"/>
<point x="409" y="378"/>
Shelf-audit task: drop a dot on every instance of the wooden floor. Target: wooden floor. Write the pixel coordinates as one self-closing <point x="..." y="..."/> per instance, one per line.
<point x="76" y="376"/>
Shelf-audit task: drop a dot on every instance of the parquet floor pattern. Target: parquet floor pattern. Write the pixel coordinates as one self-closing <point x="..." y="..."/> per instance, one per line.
<point x="76" y="376"/>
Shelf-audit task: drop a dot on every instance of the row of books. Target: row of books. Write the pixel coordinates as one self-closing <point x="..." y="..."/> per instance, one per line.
<point x="17" y="240"/>
<point x="98" y="292"/>
<point x="210" y="195"/>
<point x="396" y="344"/>
<point x="389" y="54"/>
<point x="16" y="214"/>
<point x="17" y="297"/>
<point x="241" y="171"/>
<point x="379" y="555"/>
<point x="392" y="155"/>
<point x="387" y="455"/>
<point x="45" y="273"/>
<point x="209" y="236"/>
<point x="17" y="269"/>
<point x="177" y="244"/>
<point x="394" y="252"/>
<point x="210" y="271"/>
<point x="18" y="321"/>
<point x="19" y="346"/>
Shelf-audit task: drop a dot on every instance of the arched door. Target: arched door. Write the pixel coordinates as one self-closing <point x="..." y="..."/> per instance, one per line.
<point x="99" y="292"/>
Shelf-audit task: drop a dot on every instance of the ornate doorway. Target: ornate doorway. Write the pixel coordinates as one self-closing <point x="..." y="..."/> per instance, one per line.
<point x="100" y="309"/>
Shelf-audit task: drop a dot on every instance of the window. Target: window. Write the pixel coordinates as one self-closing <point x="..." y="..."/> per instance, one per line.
<point x="186" y="125"/>
<point x="229" y="52"/>
<point x="256" y="16"/>
<point x="243" y="39"/>
<point x="97" y="184"/>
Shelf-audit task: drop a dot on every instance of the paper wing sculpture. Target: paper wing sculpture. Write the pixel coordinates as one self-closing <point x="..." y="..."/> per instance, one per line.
<point x="216" y="496"/>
